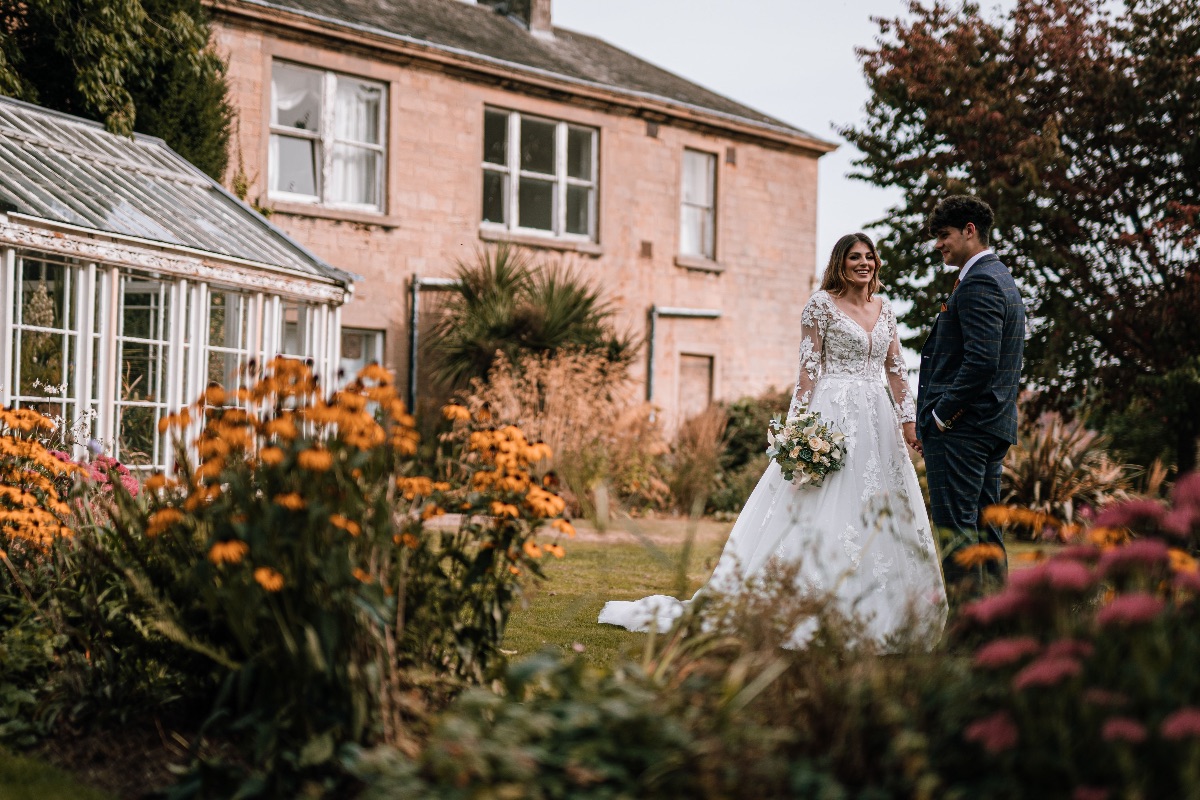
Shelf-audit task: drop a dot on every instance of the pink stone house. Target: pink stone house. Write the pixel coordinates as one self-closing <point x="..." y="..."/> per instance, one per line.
<point x="393" y="137"/>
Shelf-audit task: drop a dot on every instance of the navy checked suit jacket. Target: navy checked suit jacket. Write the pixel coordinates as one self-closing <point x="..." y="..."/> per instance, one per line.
<point x="971" y="362"/>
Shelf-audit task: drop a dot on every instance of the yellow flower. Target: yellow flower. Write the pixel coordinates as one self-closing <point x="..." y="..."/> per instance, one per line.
<point x="410" y="541"/>
<point x="230" y="552"/>
<point x="504" y="510"/>
<point x="1181" y="561"/>
<point x="291" y="501"/>
<point x="456" y="413"/>
<point x="213" y="396"/>
<point x="162" y="519"/>
<point x="268" y="579"/>
<point x="271" y="456"/>
<point x="563" y="526"/>
<point x="1107" y="538"/>
<point x="315" y="460"/>
<point x="348" y="525"/>
<point x="432" y="510"/>
<point x="556" y="550"/>
<point x="155" y="482"/>
<point x="283" y="426"/>
<point x="531" y="549"/>
<point x="977" y="554"/>
<point x="362" y="575"/>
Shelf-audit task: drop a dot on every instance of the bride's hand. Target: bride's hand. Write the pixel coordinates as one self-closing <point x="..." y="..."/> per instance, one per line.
<point x="910" y="436"/>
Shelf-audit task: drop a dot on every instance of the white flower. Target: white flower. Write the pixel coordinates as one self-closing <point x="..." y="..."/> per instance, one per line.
<point x="810" y="430"/>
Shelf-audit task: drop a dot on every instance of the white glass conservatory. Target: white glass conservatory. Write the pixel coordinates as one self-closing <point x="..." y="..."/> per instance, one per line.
<point x="131" y="281"/>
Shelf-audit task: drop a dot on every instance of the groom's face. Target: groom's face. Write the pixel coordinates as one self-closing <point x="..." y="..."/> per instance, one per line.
<point x="954" y="244"/>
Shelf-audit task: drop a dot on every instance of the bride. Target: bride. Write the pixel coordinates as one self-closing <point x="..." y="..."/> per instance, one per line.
<point x="862" y="537"/>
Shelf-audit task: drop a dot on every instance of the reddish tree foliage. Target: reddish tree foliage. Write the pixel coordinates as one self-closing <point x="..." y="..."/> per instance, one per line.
<point x="1080" y="128"/>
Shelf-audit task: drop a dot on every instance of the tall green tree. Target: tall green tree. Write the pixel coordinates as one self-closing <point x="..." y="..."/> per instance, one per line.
<point x="135" y="65"/>
<point x="1079" y="126"/>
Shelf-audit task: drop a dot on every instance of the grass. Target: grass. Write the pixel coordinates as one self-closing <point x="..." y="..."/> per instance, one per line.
<point x="644" y="558"/>
<point x="24" y="778"/>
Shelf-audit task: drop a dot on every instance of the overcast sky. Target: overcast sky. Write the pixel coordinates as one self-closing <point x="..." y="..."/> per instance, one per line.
<point x="792" y="59"/>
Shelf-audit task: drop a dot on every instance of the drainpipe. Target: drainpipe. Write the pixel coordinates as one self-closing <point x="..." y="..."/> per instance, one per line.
<point x="433" y="284"/>
<point x="670" y="312"/>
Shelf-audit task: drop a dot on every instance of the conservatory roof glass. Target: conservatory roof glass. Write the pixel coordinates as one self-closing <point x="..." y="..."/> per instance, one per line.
<point x="71" y="171"/>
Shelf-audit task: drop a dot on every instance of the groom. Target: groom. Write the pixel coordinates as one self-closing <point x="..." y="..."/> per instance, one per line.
<point x="970" y="377"/>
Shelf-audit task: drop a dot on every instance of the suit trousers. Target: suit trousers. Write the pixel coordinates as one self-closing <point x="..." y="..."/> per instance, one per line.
<point x="963" y="469"/>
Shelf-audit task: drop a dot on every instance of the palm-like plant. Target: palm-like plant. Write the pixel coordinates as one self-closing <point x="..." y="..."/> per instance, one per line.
<point x="505" y="302"/>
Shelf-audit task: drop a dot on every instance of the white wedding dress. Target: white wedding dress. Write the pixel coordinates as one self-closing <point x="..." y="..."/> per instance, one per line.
<point x="862" y="537"/>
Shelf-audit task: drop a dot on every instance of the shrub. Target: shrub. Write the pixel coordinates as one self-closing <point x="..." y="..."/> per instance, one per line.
<point x="743" y="458"/>
<point x="286" y="592"/>
<point x="695" y="459"/>
<point x="1061" y="468"/>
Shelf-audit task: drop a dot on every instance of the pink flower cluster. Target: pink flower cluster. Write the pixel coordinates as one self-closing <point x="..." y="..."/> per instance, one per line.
<point x="1047" y="671"/>
<point x="1123" y="729"/>
<point x="1135" y="608"/>
<point x="1150" y="553"/>
<point x="1007" y="603"/>
<point x="996" y="733"/>
<point x="102" y="466"/>
<point x="1182" y="724"/>
<point x="1005" y="652"/>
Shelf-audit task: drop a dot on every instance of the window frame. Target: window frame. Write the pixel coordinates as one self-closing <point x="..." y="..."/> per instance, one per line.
<point x="326" y="141"/>
<point x="513" y="173"/>
<point x="709" y="242"/>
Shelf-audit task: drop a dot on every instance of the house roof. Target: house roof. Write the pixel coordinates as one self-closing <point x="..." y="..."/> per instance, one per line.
<point x="71" y="171"/>
<point x="477" y="30"/>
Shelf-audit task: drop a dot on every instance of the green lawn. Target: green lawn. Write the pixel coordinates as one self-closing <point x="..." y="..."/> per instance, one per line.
<point x="23" y="778"/>
<point x="643" y="558"/>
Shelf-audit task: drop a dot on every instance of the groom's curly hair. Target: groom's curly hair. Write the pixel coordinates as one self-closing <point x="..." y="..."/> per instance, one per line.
<point x="956" y="211"/>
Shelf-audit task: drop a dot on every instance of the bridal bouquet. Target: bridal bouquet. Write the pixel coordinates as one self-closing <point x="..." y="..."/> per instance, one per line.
<point x="806" y="448"/>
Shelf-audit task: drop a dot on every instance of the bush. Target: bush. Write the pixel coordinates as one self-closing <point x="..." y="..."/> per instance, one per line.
<point x="286" y="593"/>
<point x="743" y="458"/>
<point x="695" y="459"/>
<point x="1061" y="469"/>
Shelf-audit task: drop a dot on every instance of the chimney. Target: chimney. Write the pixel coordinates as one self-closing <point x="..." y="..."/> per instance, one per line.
<point x="533" y="14"/>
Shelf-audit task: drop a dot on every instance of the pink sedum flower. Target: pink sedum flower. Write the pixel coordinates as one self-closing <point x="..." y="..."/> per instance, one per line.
<point x="1028" y="578"/>
<point x="1189" y="581"/>
<point x="1069" y="576"/>
<point x="1080" y="552"/>
<point x="1123" y="729"/>
<point x="1104" y="698"/>
<point x="1182" y="724"/>
<point x="996" y="733"/>
<point x="1005" y="652"/>
<point x="1125" y="514"/>
<point x="1007" y="603"/>
<point x="1135" y="608"/>
<point x="1047" y="672"/>
<point x="1140" y="552"/>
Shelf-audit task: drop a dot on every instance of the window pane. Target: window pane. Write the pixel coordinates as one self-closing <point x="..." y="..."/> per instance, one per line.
<point x="43" y="371"/>
<point x="139" y="371"/>
<point x="579" y="213"/>
<point x="293" y="165"/>
<point x="495" y="192"/>
<point x="357" y="111"/>
<point x="699" y="170"/>
<point x="226" y="321"/>
<point x="537" y="204"/>
<point x="495" y="137"/>
<point x="224" y="369"/>
<point x="537" y="146"/>
<point x="45" y="298"/>
<point x="137" y="431"/>
<point x="691" y="231"/>
<point x="142" y="316"/>
<point x="295" y="97"/>
<point x="355" y="175"/>
<point x="579" y="153"/>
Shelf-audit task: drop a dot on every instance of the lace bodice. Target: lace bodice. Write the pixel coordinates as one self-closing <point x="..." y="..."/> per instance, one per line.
<point x="833" y="344"/>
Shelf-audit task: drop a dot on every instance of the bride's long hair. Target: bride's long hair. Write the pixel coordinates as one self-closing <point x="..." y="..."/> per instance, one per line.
<point x="834" y="280"/>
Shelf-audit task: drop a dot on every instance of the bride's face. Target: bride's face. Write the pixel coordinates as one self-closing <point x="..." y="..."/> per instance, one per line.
<point x="860" y="265"/>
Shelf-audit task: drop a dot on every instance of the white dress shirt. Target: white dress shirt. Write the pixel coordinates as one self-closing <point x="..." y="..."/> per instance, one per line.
<point x="962" y="273"/>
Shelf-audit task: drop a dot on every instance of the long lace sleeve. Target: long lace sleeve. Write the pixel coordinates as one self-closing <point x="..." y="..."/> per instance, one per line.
<point x="812" y="322"/>
<point x="897" y="374"/>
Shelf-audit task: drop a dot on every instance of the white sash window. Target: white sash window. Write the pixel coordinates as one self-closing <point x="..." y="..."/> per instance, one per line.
<point x="328" y="134"/>
<point x="546" y="183"/>
<point x="697" y="213"/>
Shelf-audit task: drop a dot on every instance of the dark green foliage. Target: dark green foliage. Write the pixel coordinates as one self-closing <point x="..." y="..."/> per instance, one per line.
<point x="744" y="458"/>
<point x="135" y="65"/>
<point x="508" y="303"/>
<point x="1080" y="130"/>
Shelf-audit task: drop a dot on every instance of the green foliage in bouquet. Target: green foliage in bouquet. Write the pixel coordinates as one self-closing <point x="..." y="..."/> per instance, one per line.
<point x="806" y="448"/>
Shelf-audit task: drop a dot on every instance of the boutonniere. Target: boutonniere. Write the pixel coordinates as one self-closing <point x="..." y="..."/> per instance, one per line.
<point x="944" y="301"/>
